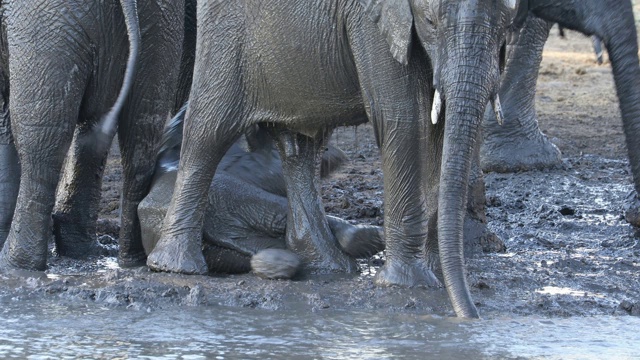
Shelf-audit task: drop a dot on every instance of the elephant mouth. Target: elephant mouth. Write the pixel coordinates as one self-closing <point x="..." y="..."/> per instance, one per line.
<point x="437" y="106"/>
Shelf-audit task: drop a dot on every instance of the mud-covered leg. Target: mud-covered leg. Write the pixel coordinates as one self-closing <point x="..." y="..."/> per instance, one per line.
<point x="409" y="201"/>
<point x="632" y="209"/>
<point x="519" y="144"/>
<point x="214" y="121"/>
<point x="9" y="184"/>
<point x="9" y="165"/>
<point x="78" y="198"/>
<point x="478" y="238"/>
<point x="151" y="103"/>
<point x="359" y="241"/>
<point x="308" y="233"/>
<point x="43" y="120"/>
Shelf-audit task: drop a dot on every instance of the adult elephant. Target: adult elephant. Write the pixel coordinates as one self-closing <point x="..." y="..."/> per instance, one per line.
<point x="65" y="70"/>
<point x="300" y="70"/>
<point x="519" y="144"/>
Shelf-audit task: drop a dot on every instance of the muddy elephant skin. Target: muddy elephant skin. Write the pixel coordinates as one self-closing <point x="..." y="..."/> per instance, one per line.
<point x="66" y="65"/>
<point x="519" y="144"/>
<point x="245" y="218"/>
<point x="301" y="70"/>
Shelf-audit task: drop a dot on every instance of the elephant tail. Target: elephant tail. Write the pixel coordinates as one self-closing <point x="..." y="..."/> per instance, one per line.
<point x="169" y="153"/>
<point x="106" y="128"/>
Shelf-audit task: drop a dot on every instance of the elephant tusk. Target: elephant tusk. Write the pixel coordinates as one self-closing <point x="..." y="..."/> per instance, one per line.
<point x="497" y="108"/>
<point x="436" y="107"/>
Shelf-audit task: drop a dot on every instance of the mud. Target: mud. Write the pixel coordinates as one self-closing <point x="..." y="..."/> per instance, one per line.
<point x="569" y="250"/>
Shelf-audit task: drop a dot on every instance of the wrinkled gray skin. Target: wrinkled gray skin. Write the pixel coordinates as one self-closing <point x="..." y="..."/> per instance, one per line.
<point x="304" y="69"/>
<point x="9" y="166"/>
<point x="246" y="211"/>
<point x="519" y="144"/>
<point x="66" y="68"/>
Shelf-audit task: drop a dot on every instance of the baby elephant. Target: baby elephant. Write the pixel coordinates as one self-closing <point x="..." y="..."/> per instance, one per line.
<point x="244" y="225"/>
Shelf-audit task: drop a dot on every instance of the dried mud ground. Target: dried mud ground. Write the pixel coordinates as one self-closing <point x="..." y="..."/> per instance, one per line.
<point x="569" y="250"/>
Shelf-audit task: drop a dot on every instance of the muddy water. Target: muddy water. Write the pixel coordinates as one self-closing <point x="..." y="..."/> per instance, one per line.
<point x="44" y="329"/>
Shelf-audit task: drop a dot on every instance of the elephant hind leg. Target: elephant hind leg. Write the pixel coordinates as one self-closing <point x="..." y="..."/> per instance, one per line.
<point x="43" y="129"/>
<point x="78" y="196"/>
<point x="308" y="233"/>
<point x="359" y="241"/>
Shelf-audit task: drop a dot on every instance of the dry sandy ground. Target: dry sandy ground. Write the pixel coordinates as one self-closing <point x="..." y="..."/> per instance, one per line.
<point x="569" y="252"/>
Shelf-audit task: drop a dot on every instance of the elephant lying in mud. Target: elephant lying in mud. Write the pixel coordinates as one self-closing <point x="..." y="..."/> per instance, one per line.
<point x="519" y="144"/>
<point x="300" y="70"/>
<point x="66" y="63"/>
<point x="246" y="211"/>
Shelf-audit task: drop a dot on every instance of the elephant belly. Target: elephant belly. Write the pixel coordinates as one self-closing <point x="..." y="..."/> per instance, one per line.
<point x="300" y="70"/>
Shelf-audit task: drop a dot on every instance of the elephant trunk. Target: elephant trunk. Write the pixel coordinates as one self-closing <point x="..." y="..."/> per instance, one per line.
<point x="622" y="47"/>
<point x="468" y="83"/>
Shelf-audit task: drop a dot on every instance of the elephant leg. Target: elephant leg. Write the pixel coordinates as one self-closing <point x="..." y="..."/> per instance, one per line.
<point x="215" y="119"/>
<point x="9" y="185"/>
<point x="244" y="217"/>
<point x="9" y="171"/>
<point x="308" y="233"/>
<point x="49" y="72"/>
<point x="150" y="104"/>
<point x="519" y="144"/>
<point x="478" y="238"/>
<point x="410" y="200"/>
<point x="9" y="165"/>
<point x="225" y="261"/>
<point x="42" y="123"/>
<point x="359" y="241"/>
<point x="76" y="210"/>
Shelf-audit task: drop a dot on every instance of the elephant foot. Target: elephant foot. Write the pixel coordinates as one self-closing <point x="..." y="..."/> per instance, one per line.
<point x="415" y="273"/>
<point x="359" y="241"/>
<point x="519" y="153"/>
<point x="127" y="261"/>
<point x="221" y="260"/>
<point x="335" y="261"/>
<point x="74" y="240"/>
<point x="632" y="209"/>
<point x="275" y="264"/>
<point x="179" y="254"/>
<point x="15" y="257"/>
<point x="478" y="239"/>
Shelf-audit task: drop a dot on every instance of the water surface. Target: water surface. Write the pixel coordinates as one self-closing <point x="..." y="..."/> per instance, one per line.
<point x="43" y="329"/>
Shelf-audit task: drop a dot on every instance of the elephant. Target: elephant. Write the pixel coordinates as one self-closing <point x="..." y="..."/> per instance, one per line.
<point x="300" y="70"/>
<point x="65" y="66"/>
<point x="246" y="211"/>
<point x="519" y="144"/>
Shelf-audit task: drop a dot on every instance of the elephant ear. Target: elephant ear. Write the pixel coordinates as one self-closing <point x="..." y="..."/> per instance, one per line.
<point x="395" y="20"/>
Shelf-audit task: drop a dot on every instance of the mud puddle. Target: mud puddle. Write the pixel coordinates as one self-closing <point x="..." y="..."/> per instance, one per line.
<point x="44" y="329"/>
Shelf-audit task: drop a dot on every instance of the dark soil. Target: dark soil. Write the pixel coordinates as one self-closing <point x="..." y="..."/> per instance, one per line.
<point x="569" y="250"/>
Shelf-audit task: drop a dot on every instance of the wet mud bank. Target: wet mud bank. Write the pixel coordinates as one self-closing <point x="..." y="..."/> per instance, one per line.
<point x="569" y="253"/>
<point x="569" y="250"/>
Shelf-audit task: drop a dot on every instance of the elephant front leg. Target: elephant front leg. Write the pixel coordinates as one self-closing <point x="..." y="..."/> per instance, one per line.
<point x="308" y="233"/>
<point x="410" y="172"/>
<point x="519" y="144"/>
